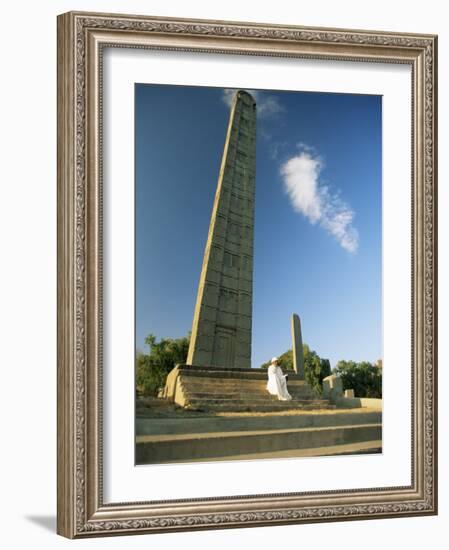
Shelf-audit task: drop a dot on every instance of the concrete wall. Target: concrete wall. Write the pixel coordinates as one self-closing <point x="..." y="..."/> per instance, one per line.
<point x="356" y="402"/>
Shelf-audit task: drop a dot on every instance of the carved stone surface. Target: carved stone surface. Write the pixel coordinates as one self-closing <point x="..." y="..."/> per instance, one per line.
<point x="224" y="299"/>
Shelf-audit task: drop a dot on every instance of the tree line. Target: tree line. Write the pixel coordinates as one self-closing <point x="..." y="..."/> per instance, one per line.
<point x="153" y="367"/>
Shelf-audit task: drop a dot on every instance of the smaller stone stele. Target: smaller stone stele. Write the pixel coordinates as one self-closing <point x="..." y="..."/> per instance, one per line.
<point x="298" y="352"/>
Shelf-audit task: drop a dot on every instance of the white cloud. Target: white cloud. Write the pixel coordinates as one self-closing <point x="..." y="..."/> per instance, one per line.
<point x="304" y="147"/>
<point x="267" y="105"/>
<point x="300" y="174"/>
<point x="275" y="147"/>
<point x="228" y="96"/>
<point x="313" y="199"/>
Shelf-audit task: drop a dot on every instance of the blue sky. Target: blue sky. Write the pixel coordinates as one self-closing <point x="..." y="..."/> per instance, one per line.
<point x="317" y="237"/>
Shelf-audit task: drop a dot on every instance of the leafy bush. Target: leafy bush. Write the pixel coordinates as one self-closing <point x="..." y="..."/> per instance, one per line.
<point x="364" y="377"/>
<point x="152" y="368"/>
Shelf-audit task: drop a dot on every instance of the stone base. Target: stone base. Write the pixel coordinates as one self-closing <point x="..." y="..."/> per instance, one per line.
<point x="254" y="437"/>
<point x="363" y="447"/>
<point x="235" y="390"/>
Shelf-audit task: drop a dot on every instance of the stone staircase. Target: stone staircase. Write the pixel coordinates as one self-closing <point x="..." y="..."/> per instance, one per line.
<point x="252" y="436"/>
<point x="217" y="389"/>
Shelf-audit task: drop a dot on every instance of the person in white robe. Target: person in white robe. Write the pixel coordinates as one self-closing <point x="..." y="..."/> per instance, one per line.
<point x="277" y="383"/>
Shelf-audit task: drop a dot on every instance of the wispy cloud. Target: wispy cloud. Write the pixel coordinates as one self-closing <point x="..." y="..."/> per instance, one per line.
<point x="315" y="200"/>
<point x="268" y="106"/>
<point x="275" y="148"/>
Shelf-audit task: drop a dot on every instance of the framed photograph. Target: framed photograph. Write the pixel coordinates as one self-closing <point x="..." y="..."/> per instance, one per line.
<point x="247" y="282"/>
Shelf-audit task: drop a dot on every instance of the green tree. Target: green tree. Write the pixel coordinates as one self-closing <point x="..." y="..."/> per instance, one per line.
<point x="364" y="378"/>
<point x="152" y="368"/>
<point x="315" y="368"/>
<point x="285" y="361"/>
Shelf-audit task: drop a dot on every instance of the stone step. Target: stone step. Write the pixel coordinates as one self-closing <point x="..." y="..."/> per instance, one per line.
<point x="223" y="382"/>
<point x="357" y="448"/>
<point x="240" y="422"/>
<point x="151" y="449"/>
<point x="211" y="380"/>
<point x="228" y="395"/>
<point x="228" y="374"/>
<point x="283" y="406"/>
<point x="193" y="394"/>
<point x="257" y="406"/>
<point x="241" y="389"/>
<point x="245" y="399"/>
<point x="248" y="388"/>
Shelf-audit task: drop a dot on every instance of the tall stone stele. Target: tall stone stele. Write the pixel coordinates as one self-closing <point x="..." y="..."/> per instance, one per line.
<point x="221" y="329"/>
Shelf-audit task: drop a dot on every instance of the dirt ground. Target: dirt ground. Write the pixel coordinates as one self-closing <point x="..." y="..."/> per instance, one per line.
<point x="152" y="407"/>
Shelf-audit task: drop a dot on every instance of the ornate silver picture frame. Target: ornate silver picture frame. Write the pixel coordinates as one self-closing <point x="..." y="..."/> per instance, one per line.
<point x="82" y="41"/>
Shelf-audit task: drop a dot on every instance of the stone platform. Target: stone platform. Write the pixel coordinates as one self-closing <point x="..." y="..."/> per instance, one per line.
<point x="235" y="390"/>
<point x="251" y="436"/>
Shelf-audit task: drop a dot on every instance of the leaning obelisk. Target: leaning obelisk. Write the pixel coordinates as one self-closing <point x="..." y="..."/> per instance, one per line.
<point x="221" y="329"/>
